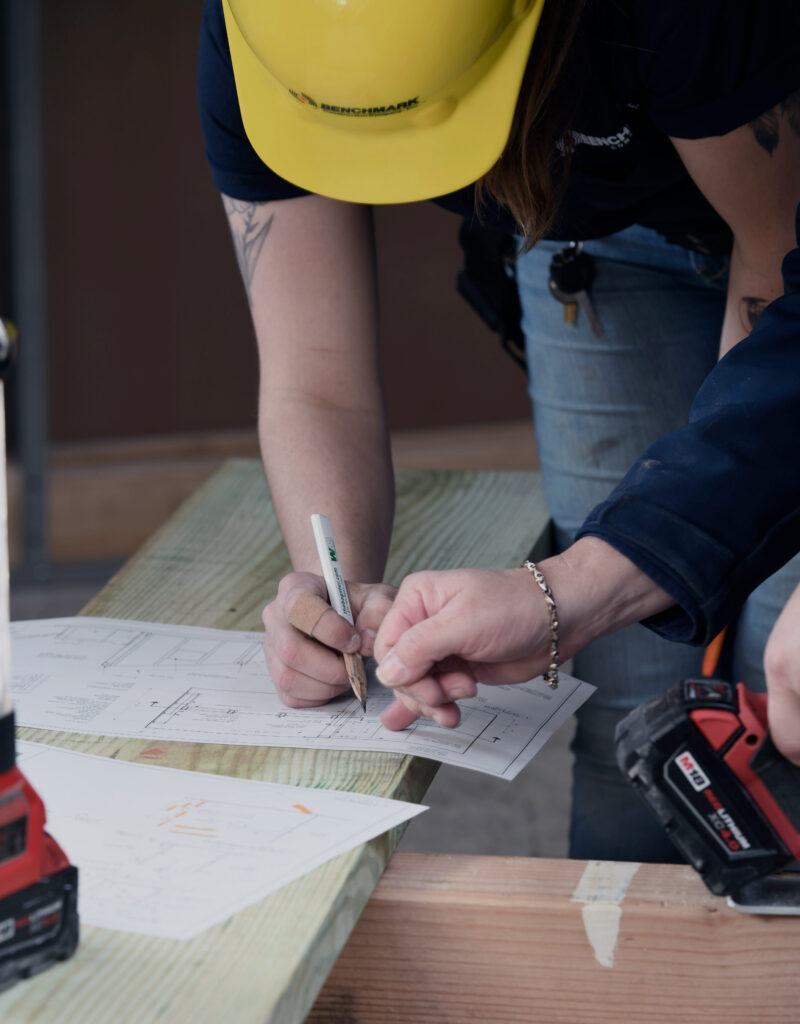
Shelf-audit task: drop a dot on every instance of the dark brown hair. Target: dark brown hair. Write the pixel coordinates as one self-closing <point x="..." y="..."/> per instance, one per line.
<point x="529" y="178"/>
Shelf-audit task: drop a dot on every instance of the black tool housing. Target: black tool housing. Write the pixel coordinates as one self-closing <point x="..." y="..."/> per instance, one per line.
<point x="716" y="826"/>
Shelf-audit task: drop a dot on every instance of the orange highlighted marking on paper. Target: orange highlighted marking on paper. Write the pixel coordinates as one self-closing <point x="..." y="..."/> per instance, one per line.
<point x="299" y="807"/>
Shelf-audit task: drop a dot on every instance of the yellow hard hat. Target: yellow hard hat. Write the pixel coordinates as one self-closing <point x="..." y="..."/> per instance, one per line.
<point x="379" y="101"/>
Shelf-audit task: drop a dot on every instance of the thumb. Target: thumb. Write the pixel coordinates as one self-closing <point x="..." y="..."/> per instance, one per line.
<point x="418" y="648"/>
<point x="784" y="722"/>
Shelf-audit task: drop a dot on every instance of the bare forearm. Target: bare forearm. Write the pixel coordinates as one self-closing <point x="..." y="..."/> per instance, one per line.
<point x="309" y="271"/>
<point x="320" y="459"/>
<point x="751" y="177"/>
<point x="598" y="591"/>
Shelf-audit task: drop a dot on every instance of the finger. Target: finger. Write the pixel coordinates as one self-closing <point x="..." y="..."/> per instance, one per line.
<point x="447" y="715"/>
<point x="367" y="642"/>
<point x="373" y="610"/>
<point x="298" y="689"/>
<point x="311" y="615"/>
<point x="397" y="716"/>
<point x="306" y="611"/>
<point x="408" y="608"/>
<point x="426" y="692"/>
<point x="422" y="627"/>
<point x="457" y="685"/>
<point x="784" y="722"/>
<point x="417" y="650"/>
<point x="286" y="646"/>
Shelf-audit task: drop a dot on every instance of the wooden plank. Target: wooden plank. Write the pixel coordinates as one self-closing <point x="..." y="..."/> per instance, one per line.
<point x="107" y="497"/>
<point x="447" y="939"/>
<point x="215" y="563"/>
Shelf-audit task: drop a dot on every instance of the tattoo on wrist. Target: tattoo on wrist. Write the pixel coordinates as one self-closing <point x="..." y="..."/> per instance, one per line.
<point x="249" y="226"/>
<point x="750" y="309"/>
<point x="766" y="128"/>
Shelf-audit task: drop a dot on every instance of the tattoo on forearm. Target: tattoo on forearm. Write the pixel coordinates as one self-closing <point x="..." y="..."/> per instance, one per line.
<point x="249" y="229"/>
<point x="766" y="128"/>
<point x="750" y="309"/>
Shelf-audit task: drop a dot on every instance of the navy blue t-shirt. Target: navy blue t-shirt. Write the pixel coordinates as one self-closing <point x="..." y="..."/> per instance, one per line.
<point x="687" y="68"/>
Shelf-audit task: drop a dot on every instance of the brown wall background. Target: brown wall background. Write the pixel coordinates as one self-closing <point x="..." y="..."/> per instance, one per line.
<point x="149" y="330"/>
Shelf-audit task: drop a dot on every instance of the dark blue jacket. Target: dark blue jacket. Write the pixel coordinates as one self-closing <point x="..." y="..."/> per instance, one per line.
<point x="713" y="509"/>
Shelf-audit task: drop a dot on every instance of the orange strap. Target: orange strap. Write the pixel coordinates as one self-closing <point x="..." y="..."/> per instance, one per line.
<point x="711" y="655"/>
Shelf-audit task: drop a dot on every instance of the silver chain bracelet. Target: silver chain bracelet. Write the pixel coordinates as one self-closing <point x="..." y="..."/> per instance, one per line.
<point x="551" y="675"/>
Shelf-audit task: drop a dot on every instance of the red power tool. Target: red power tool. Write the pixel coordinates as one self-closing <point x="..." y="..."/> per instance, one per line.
<point x="702" y="759"/>
<point x="38" y="886"/>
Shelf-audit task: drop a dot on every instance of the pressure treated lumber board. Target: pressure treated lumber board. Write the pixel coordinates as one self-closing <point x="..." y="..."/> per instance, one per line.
<point x="215" y="563"/>
<point x="105" y="498"/>
<point x="451" y="939"/>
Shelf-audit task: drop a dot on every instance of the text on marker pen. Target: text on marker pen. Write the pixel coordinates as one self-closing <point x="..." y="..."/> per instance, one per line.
<point x="337" y="595"/>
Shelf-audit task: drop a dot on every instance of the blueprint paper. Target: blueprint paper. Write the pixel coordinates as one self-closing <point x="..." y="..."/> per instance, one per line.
<point x="170" y="853"/>
<point x="116" y="677"/>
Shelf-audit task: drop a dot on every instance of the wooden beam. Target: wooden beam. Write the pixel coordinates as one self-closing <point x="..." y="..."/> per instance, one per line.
<point x="446" y="939"/>
<point x="216" y="563"/>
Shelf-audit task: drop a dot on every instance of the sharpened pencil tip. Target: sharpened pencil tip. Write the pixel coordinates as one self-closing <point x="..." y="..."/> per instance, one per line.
<point x="364" y="705"/>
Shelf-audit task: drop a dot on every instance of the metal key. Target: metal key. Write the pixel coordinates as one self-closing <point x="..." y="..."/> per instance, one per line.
<point x="571" y="276"/>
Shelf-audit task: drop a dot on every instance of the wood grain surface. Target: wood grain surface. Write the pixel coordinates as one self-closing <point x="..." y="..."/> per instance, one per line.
<point x="106" y="497"/>
<point x="449" y="939"/>
<point x="215" y="563"/>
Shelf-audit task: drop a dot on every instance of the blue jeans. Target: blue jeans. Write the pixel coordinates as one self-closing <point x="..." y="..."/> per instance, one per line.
<point x="597" y="404"/>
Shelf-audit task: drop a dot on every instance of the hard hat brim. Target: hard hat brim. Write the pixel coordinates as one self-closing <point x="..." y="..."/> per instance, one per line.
<point x="440" y="147"/>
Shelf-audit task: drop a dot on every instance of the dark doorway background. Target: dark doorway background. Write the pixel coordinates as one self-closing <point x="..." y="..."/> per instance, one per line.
<point x="148" y="325"/>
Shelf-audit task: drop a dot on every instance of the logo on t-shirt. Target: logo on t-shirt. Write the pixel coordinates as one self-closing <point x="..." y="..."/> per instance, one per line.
<point x="616" y="141"/>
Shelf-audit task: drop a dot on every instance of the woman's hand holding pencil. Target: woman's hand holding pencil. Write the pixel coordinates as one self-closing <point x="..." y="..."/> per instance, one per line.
<point x="304" y="660"/>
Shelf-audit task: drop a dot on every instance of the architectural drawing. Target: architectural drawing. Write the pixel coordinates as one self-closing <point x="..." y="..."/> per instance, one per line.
<point x="171" y="853"/>
<point x="167" y="682"/>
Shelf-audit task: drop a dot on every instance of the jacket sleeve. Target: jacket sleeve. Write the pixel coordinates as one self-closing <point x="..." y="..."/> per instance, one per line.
<point x="711" y="510"/>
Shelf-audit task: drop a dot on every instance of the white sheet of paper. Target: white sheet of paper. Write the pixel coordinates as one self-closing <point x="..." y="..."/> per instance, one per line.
<point x="170" y="853"/>
<point x="116" y="677"/>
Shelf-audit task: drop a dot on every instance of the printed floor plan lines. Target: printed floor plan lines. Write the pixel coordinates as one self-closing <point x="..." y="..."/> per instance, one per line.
<point x="138" y="648"/>
<point x="168" y="682"/>
<point x="351" y="723"/>
<point x="147" y="651"/>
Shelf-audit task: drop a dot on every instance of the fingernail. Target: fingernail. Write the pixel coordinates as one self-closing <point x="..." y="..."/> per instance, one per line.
<point x="459" y="693"/>
<point x="391" y="671"/>
<point x="353" y="643"/>
<point x="368" y="640"/>
<point x="439" y="718"/>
